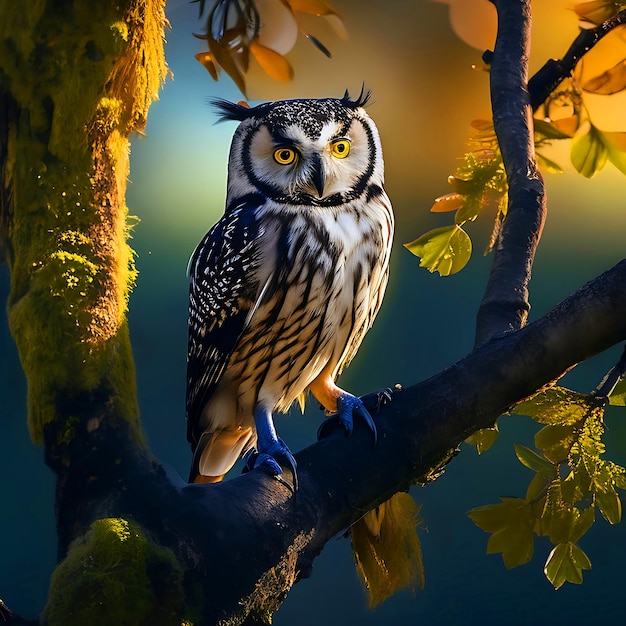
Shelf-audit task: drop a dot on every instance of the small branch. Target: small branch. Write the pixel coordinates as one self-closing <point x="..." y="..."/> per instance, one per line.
<point x="8" y="618"/>
<point x="608" y="383"/>
<point x="547" y="79"/>
<point x="505" y="304"/>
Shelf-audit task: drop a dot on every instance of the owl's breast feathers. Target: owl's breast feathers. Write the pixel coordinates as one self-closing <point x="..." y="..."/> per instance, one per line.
<point x="276" y="297"/>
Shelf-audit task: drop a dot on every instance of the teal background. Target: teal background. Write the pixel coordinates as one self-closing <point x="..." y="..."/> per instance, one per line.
<point x="425" y="95"/>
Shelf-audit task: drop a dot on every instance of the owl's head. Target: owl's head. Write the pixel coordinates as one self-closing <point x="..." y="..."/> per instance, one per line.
<point x="316" y="152"/>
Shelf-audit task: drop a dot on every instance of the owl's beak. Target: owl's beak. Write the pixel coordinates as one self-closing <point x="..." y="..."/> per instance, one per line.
<point x="317" y="175"/>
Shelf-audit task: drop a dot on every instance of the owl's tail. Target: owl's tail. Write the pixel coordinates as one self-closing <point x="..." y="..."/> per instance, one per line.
<point x="387" y="549"/>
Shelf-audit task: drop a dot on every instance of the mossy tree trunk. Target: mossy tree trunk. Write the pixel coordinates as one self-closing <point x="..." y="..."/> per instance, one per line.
<point x="77" y="78"/>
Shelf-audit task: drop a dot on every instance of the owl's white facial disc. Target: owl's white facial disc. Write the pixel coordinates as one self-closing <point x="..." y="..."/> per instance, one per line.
<point x="313" y="152"/>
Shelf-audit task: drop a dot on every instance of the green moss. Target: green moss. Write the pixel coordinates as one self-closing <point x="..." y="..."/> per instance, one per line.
<point x="115" y="574"/>
<point x="71" y="266"/>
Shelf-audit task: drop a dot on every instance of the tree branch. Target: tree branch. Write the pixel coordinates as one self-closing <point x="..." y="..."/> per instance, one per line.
<point x="553" y="72"/>
<point x="505" y="304"/>
<point x="243" y="543"/>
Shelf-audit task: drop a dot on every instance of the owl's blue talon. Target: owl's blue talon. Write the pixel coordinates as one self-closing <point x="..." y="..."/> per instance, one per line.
<point x="348" y="407"/>
<point x="270" y="449"/>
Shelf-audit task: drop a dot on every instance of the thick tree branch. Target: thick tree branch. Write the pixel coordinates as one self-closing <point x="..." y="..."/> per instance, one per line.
<point x="278" y="534"/>
<point x="505" y="304"/>
<point x="547" y="79"/>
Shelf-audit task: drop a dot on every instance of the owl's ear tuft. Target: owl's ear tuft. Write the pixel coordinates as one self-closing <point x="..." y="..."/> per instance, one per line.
<point x="227" y="110"/>
<point x="361" y="100"/>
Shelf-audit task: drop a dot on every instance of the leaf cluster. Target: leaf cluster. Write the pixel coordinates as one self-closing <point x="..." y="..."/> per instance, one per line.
<point x="234" y="32"/>
<point x="480" y="181"/>
<point x="571" y="483"/>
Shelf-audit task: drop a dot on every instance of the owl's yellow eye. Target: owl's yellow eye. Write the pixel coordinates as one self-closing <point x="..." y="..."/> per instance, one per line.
<point x="340" y="148"/>
<point x="285" y="156"/>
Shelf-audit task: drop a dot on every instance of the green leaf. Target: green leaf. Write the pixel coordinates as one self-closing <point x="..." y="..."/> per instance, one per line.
<point x="618" y="395"/>
<point x="511" y="526"/>
<point x="555" y="442"/>
<point x="532" y="460"/>
<point x="606" y="497"/>
<point x="547" y="130"/>
<point x="609" y="504"/>
<point x="483" y="439"/>
<point x="577" y="485"/>
<point x="548" y="164"/>
<point x="588" y="152"/>
<point x="557" y="406"/>
<point x="557" y="517"/>
<point x="445" y="250"/>
<point x="615" y="144"/>
<point x="538" y="485"/>
<point x="565" y="564"/>
<point x="582" y="523"/>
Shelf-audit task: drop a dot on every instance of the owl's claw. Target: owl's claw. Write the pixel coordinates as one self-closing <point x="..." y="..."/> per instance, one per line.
<point x="270" y="449"/>
<point x="348" y="407"/>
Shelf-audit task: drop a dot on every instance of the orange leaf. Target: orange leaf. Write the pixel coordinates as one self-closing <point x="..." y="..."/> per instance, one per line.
<point x="609" y="82"/>
<point x="448" y="202"/>
<point x="274" y="65"/>
<point x="222" y="55"/>
<point x="568" y="125"/>
<point x="207" y="60"/>
<point x="313" y="7"/>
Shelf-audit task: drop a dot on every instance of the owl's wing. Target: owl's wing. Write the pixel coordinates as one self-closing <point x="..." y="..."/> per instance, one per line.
<point x="222" y="297"/>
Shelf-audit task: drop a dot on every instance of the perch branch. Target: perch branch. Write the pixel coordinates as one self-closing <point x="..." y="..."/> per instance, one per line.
<point x="245" y="541"/>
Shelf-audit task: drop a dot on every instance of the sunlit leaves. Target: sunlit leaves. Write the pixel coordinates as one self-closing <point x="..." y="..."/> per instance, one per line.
<point x="588" y="153"/>
<point x="483" y="439"/>
<point x="532" y="460"/>
<point x="566" y="564"/>
<point x="572" y="482"/>
<point x="598" y="11"/>
<point x="609" y="82"/>
<point x="511" y="526"/>
<point x="557" y="405"/>
<point x="618" y="395"/>
<point x="591" y="148"/>
<point x="265" y="30"/>
<point x="478" y="182"/>
<point x="445" y="250"/>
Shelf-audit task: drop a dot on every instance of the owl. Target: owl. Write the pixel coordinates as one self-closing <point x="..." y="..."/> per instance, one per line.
<point x="285" y="286"/>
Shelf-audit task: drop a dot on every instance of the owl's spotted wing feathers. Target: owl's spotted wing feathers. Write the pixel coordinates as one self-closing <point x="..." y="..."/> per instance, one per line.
<point x="221" y="298"/>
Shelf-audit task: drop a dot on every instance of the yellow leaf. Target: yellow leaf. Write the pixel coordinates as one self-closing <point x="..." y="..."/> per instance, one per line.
<point x="274" y="65"/>
<point x="445" y="250"/>
<point x="448" y="202"/>
<point x="588" y="152"/>
<point x="609" y="82"/>
<point x="596" y="11"/>
<point x="615" y="143"/>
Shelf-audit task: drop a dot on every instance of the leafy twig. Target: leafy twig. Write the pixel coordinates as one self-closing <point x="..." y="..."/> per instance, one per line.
<point x="608" y="383"/>
<point x="546" y="80"/>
